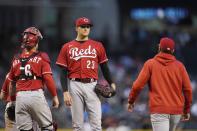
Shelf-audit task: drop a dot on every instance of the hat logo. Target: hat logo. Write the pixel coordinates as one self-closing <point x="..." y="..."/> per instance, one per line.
<point x="85" y="20"/>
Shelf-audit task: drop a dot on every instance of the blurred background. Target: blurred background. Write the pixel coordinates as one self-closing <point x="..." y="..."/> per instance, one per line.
<point x="130" y="31"/>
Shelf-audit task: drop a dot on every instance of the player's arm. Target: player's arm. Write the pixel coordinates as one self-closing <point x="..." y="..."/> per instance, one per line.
<point x="63" y="79"/>
<point x="11" y="88"/>
<point x="187" y="92"/>
<point x="4" y="91"/>
<point x="1" y="95"/>
<point x="64" y="84"/>
<point x="107" y="74"/>
<point x="49" y="81"/>
<point x="48" y="78"/>
<point x="138" y="85"/>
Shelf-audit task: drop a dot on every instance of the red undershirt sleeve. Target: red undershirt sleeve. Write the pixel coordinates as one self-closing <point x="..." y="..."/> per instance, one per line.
<point x="49" y="81"/>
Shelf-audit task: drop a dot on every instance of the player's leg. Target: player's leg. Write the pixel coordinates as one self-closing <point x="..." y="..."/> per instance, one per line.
<point x="160" y="122"/>
<point x="77" y="107"/>
<point x="93" y="106"/>
<point x="23" y="118"/>
<point x="40" y="111"/>
<point x="9" y="124"/>
<point x="174" y="120"/>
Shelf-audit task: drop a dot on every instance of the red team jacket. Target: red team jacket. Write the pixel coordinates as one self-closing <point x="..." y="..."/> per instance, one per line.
<point x="81" y="59"/>
<point x="170" y="90"/>
<point x="39" y="65"/>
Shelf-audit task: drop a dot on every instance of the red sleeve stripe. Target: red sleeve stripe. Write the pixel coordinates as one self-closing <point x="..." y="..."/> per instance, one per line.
<point x="47" y="73"/>
<point x="103" y="61"/>
<point x="61" y="64"/>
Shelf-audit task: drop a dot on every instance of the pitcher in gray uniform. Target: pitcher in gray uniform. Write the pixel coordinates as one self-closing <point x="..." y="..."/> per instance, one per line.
<point x="79" y="60"/>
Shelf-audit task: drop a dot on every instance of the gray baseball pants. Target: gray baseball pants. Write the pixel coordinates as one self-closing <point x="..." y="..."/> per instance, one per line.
<point x="32" y="105"/>
<point x="84" y="98"/>
<point x="164" y="122"/>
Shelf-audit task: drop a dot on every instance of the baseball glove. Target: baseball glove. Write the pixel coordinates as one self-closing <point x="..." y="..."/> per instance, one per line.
<point x="105" y="90"/>
<point x="11" y="112"/>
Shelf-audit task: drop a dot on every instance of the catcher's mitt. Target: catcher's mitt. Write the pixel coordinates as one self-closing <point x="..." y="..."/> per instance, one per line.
<point x="11" y="112"/>
<point x="105" y="90"/>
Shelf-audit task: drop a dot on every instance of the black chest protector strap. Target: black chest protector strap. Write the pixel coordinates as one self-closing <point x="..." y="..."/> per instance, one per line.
<point x="24" y="76"/>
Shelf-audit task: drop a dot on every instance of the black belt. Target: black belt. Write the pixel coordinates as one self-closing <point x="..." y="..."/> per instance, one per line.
<point x="84" y="80"/>
<point x="28" y="77"/>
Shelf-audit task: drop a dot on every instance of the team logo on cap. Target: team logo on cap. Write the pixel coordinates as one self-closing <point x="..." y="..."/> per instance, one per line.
<point x="85" y="20"/>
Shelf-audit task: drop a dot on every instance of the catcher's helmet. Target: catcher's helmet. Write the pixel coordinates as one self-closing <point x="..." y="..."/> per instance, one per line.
<point x="31" y="37"/>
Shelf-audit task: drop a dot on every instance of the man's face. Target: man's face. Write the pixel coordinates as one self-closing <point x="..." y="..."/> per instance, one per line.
<point x="83" y="30"/>
<point x="30" y="40"/>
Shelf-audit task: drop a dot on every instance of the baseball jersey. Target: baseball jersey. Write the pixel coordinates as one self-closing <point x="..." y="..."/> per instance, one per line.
<point x="37" y="66"/>
<point x="82" y="59"/>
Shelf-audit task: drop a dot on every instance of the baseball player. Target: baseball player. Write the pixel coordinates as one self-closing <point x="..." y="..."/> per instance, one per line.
<point x="10" y="124"/>
<point x="170" y="90"/>
<point x="29" y="72"/>
<point x="79" y="60"/>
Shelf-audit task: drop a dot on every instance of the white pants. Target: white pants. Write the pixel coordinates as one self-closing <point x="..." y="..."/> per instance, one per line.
<point x="164" y="122"/>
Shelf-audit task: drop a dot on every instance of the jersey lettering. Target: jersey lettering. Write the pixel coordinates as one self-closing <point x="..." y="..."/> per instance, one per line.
<point x="77" y="54"/>
<point x="28" y="70"/>
<point x="35" y="59"/>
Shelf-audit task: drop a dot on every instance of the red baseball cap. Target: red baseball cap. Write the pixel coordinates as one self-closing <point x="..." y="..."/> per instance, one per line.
<point x="167" y="44"/>
<point x="83" y="21"/>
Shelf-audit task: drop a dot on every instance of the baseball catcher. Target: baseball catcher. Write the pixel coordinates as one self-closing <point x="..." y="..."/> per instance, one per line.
<point x="30" y="72"/>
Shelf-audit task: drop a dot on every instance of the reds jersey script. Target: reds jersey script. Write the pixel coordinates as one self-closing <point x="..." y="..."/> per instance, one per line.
<point x="37" y="65"/>
<point x="81" y="59"/>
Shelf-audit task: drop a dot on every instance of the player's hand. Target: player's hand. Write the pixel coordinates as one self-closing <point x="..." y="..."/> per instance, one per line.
<point x="130" y="107"/>
<point x="113" y="85"/>
<point x="55" y="102"/>
<point x="185" y="117"/>
<point x="67" y="99"/>
<point x="2" y="95"/>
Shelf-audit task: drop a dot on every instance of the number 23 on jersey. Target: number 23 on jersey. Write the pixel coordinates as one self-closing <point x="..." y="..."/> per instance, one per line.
<point x="90" y="64"/>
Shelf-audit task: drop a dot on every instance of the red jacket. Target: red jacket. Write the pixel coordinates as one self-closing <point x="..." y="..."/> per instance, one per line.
<point x="170" y="90"/>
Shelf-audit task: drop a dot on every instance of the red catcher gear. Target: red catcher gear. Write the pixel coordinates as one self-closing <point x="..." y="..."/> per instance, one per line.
<point x="31" y="37"/>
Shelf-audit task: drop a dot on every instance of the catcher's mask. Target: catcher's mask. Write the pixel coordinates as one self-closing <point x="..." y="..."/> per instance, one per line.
<point x="31" y="37"/>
